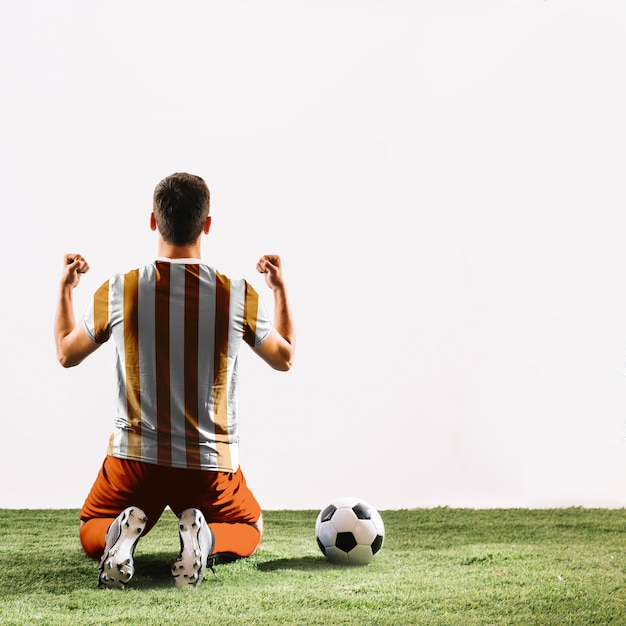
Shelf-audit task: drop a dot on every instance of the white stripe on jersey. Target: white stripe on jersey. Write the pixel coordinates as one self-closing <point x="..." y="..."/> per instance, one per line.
<point x="206" y="341"/>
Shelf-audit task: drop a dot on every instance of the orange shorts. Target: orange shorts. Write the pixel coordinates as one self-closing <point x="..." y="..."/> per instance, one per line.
<point x="223" y="498"/>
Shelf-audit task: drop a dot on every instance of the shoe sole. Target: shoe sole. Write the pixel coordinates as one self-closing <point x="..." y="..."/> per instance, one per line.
<point x="117" y="566"/>
<point x="196" y="544"/>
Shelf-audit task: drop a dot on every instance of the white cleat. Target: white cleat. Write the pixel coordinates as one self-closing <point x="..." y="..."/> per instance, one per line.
<point x="196" y="545"/>
<point x="117" y="566"/>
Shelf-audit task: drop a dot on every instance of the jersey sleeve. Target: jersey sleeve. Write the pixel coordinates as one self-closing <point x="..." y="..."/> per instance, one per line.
<point x="97" y="319"/>
<point x="257" y="321"/>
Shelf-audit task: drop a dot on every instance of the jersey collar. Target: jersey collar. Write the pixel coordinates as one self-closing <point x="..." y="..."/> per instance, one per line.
<point x="168" y="260"/>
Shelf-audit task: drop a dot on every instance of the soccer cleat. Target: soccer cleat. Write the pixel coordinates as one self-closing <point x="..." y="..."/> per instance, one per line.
<point x="196" y="545"/>
<point x="117" y="566"/>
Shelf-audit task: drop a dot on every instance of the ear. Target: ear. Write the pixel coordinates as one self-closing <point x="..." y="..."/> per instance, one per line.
<point x="153" y="224"/>
<point x="207" y="226"/>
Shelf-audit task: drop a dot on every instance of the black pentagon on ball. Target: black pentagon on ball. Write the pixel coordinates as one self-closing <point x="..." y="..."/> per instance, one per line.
<point x="377" y="544"/>
<point x="327" y="513"/>
<point x="345" y="541"/>
<point x="362" y="511"/>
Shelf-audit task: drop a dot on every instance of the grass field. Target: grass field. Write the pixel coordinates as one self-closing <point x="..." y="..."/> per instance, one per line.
<point x="438" y="566"/>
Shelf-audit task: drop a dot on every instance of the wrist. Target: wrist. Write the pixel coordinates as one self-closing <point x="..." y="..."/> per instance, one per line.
<point x="279" y="290"/>
<point x="66" y="288"/>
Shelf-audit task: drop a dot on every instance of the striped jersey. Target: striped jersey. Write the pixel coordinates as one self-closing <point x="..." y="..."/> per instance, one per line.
<point x="177" y="325"/>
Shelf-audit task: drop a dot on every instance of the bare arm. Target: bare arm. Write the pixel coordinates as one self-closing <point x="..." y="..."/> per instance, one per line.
<point x="72" y="342"/>
<point x="279" y="348"/>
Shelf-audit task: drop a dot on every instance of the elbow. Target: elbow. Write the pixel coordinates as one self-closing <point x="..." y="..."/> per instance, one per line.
<point x="281" y="361"/>
<point x="66" y="360"/>
<point x="284" y="366"/>
<point x="62" y="358"/>
<point x="286" y="362"/>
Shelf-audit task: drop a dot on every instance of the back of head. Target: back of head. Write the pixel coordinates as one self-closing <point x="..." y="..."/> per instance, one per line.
<point x="181" y="206"/>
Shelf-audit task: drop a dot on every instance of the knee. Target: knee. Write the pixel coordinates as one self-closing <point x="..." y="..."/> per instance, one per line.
<point x="92" y="537"/>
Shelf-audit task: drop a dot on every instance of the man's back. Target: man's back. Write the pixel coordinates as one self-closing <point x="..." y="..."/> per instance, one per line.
<point x="177" y="326"/>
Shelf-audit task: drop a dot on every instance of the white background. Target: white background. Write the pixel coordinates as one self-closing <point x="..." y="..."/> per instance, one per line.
<point x="445" y="181"/>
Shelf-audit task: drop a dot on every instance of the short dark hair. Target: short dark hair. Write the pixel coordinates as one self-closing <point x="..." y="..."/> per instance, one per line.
<point x="181" y="206"/>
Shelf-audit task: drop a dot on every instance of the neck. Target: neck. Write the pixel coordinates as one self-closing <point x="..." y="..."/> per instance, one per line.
<point x="171" y="251"/>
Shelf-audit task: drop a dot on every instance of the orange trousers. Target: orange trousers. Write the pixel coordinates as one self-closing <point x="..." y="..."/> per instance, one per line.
<point x="229" y="507"/>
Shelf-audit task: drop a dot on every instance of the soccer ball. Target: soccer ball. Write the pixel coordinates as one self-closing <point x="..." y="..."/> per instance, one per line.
<point x="349" y="531"/>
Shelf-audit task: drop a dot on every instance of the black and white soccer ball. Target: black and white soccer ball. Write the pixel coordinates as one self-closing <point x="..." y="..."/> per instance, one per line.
<point x="349" y="531"/>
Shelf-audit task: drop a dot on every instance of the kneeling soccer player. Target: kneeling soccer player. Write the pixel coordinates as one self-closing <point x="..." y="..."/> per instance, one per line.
<point x="177" y="325"/>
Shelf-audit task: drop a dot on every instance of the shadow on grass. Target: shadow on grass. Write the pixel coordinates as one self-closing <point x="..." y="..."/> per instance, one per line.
<point x="304" y="563"/>
<point x="153" y="570"/>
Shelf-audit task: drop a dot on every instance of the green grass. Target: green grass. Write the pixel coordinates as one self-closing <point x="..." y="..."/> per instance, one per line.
<point x="438" y="566"/>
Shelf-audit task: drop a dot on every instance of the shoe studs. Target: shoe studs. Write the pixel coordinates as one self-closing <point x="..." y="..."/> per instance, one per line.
<point x="117" y="567"/>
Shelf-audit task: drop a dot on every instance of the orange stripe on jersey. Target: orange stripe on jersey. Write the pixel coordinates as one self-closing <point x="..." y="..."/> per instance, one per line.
<point x="131" y="359"/>
<point x="220" y="370"/>
<point x="250" y="308"/>
<point x="162" y="358"/>
<point x="192" y="438"/>
<point x="101" y="313"/>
